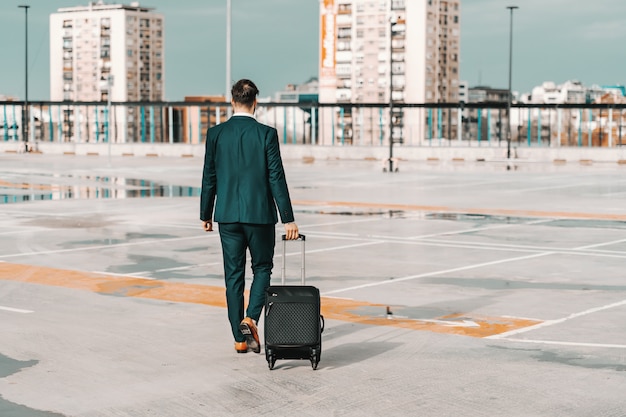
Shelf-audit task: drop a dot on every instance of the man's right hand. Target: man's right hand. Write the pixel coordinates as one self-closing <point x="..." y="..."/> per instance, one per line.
<point x="291" y="231"/>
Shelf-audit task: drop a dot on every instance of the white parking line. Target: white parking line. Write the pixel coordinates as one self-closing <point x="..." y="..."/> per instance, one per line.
<point x="177" y="268"/>
<point x="548" y="323"/>
<point x="278" y="255"/>
<point x="480" y="245"/>
<point x="556" y="342"/>
<point x="115" y="274"/>
<point x="118" y="245"/>
<point x="16" y="310"/>
<point x="601" y="244"/>
<point x="434" y="273"/>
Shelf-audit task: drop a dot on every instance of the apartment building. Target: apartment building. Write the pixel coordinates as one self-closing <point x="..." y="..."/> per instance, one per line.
<point x="388" y="52"/>
<point x="103" y="52"/>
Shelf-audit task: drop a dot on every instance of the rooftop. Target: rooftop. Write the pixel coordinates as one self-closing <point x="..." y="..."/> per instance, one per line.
<point x="101" y="5"/>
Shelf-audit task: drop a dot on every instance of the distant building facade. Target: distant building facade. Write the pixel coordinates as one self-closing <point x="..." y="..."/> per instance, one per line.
<point x="570" y="92"/>
<point x="550" y="93"/>
<point x="94" y="44"/>
<point x="484" y="94"/>
<point x="299" y="123"/>
<point x="403" y="51"/>
<point x="189" y="124"/>
<point x="307" y="92"/>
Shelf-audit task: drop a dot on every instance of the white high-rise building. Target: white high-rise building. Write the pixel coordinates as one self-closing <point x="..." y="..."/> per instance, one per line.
<point x="374" y="51"/>
<point x="108" y="51"/>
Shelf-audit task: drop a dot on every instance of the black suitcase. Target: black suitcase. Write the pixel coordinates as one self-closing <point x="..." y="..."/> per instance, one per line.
<point x="293" y="321"/>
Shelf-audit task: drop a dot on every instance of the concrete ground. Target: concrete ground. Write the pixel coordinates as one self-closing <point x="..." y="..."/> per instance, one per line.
<point x="449" y="289"/>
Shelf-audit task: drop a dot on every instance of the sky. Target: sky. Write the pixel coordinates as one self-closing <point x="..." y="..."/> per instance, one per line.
<point x="275" y="43"/>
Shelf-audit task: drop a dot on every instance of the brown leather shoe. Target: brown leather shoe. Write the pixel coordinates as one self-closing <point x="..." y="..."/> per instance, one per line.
<point x="241" y="347"/>
<point x="248" y="328"/>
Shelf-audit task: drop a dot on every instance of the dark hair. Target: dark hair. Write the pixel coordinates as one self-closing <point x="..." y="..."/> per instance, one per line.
<point x="244" y="92"/>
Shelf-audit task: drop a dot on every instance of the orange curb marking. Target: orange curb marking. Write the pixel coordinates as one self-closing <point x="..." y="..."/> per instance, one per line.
<point x="447" y="209"/>
<point x="332" y="308"/>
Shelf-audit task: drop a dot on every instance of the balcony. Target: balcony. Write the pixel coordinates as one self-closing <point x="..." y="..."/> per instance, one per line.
<point x="344" y="9"/>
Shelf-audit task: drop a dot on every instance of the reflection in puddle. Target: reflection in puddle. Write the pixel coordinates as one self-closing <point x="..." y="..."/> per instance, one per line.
<point x="471" y="217"/>
<point x="87" y="187"/>
<point x="382" y="213"/>
<point x="491" y="219"/>
<point x="606" y="224"/>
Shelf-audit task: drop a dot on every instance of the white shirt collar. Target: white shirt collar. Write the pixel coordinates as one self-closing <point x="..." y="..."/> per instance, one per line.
<point x="244" y="114"/>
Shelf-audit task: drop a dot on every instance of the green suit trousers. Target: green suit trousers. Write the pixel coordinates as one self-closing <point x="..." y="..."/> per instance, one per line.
<point x="236" y="238"/>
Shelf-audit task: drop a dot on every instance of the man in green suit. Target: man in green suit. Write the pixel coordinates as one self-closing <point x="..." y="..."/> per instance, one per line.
<point x="244" y="180"/>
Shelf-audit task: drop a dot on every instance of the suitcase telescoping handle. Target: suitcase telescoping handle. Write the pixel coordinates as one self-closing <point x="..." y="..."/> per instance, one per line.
<point x="302" y="239"/>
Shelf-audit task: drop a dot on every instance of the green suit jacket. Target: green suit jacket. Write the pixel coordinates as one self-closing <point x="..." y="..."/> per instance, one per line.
<point x="243" y="178"/>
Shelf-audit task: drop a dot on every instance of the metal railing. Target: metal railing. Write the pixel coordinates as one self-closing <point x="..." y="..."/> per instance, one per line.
<point x="430" y="124"/>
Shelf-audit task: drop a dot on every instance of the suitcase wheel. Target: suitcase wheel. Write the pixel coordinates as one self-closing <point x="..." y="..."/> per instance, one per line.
<point x="315" y="358"/>
<point x="271" y="358"/>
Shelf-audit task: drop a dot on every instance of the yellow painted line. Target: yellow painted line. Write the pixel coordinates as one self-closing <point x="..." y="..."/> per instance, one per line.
<point x="470" y="210"/>
<point x="332" y="308"/>
<point x="114" y="285"/>
<point x="347" y="310"/>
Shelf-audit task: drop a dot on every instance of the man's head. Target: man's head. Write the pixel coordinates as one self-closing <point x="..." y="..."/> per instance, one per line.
<point x="244" y="94"/>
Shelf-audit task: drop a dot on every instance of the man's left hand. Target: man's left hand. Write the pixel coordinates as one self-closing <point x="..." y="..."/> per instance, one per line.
<point x="291" y="231"/>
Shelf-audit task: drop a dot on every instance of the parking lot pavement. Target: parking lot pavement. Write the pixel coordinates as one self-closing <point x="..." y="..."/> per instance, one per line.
<point x="474" y="289"/>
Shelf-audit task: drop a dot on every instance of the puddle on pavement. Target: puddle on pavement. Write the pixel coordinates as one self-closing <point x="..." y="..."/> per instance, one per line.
<point x="475" y="218"/>
<point x="582" y="361"/>
<point x="138" y="263"/>
<point x="383" y="213"/>
<point x="600" y="224"/>
<point x="493" y="219"/>
<point x="67" y="187"/>
<point x="128" y="237"/>
<point x="70" y="222"/>
<point x="579" y="361"/>
<point x="8" y="367"/>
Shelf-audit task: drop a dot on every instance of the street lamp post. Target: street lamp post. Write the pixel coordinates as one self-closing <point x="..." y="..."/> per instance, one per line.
<point x="510" y="98"/>
<point x="392" y="23"/>
<point x="109" y="91"/>
<point x="228" y="47"/>
<point x="25" y="113"/>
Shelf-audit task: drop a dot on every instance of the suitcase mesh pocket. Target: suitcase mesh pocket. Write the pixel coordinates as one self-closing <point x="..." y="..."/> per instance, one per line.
<point x="292" y="324"/>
